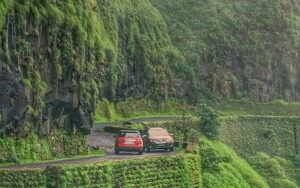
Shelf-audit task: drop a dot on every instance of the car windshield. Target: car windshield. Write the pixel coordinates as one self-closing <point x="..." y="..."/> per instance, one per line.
<point x="129" y="134"/>
<point x="158" y="132"/>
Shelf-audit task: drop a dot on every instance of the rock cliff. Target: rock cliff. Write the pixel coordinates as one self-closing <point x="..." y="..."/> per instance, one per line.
<point x="58" y="58"/>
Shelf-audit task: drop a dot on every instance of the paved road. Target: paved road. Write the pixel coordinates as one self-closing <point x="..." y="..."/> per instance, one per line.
<point x="100" y="139"/>
<point x="105" y="141"/>
<point x="88" y="160"/>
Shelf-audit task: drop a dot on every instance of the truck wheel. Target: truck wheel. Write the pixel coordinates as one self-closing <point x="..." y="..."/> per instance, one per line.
<point x="141" y="152"/>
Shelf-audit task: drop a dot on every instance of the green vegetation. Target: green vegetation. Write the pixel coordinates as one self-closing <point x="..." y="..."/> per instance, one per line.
<point x="4" y="7"/>
<point x="65" y="37"/>
<point x="144" y="51"/>
<point x="248" y="135"/>
<point x="296" y="162"/>
<point x="246" y="107"/>
<point x="273" y="128"/>
<point x="172" y="171"/>
<point x="222" y="167"/>
<point x="176" y="171"/>
<point x="114" y="60"/>
<point x="89" y="49"/>
<point x="269" y="134"/>
<point x="109" y="111"/>
<point x="208" y="121"/>
<point x="236" y="48"/>
<point x="278" y="171"/>
<point x="33" y="149"/>
<point x="23" y="178"/>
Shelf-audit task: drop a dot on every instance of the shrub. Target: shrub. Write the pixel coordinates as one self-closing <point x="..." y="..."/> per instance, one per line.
<point x="175" y="171"/>
<point x="32" y="148"/>
<point x="209" y="123"/>
<point x="222" y="167"/>
<point x="269" y="134"/>
<point x="279" y="172"/>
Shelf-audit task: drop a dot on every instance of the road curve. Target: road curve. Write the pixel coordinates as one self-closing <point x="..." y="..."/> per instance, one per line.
<point x="87" y="160"/>
<point x="102" y="140"/>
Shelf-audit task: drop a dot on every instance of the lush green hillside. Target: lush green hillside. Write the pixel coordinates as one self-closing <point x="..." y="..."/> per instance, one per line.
<point x="237" y="48"/>
<point x="144" y="53"/>
<point x="222" y="167"/>
<point x="109" y="111"/>
<point x="270" y="135"/>
<point x="246" y="107"/>
<point x="59" y="58"/>
<point x="274" y="136"/>
<point x="65" y="63"/>
<point x="251" y="134"/>
<point x="32" y="148"/>
<point x="176" y="171"/>
<point x="278" y="171"/>
<point x="218" y="166"/>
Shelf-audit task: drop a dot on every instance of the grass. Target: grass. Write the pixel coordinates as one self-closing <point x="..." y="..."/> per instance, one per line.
<point x="229" y="170"/>
<point x="32" y="148"/>
<point x="296" y="162"/>
<point x="101" y="119"/>
<point x="174" y="171"/>
<point x="279" y="172"/>
<point x="92" y="153"/>
<point x="236" y="49"/>
<point x="246" y="107"/>
<point x="268" y="129"/>
<point x="108" y="111"/>
<point x="270" y="134"/>
<point x="132" y="173"/>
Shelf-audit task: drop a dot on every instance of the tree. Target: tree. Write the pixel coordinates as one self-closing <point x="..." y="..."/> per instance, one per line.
<point x="186" y="126"/>
<point x="209" y="123"/>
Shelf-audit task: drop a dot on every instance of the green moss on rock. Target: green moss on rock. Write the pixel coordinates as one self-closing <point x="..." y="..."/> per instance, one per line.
<point x="70" y="54"/>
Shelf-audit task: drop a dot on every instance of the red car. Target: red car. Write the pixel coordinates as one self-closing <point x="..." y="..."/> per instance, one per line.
<point x="129" y="140"/>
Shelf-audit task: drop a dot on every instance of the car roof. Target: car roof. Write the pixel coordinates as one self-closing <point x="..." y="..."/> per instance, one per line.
<point x="129" y="131"/>
<point x="155" y="128"/>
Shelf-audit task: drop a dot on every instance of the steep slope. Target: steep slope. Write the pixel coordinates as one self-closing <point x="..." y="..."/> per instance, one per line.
<point x="279" y="172"/>
<point x="222" y="167"/>
<point x="183" y="170"/>
<point x="238" y="48"/>
<point x="143" y="48"/>
<point x="58" y="58"/>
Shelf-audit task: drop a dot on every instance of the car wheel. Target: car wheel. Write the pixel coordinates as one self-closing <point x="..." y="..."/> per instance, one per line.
<point x="171" y="149"/>
<point x="147" y="149"/>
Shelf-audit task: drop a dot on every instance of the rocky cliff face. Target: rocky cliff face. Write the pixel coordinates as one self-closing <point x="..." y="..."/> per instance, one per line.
<point x="13" y="99"/>
<point x="238" y="49"/>
<point x="58" y="58"/>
